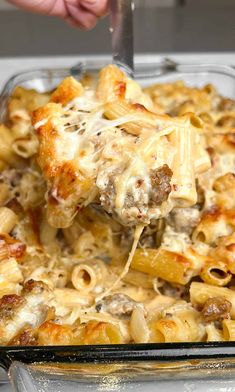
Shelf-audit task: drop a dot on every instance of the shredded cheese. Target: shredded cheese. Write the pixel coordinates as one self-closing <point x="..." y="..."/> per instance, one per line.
<point x="138" y="231"/>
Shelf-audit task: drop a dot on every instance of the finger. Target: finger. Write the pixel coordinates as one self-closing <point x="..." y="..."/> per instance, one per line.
<point x="97" y="7"/>
<point x="30" y="5"/>
<point x="71" y="22"/>
<point x="47" y="7"/>
<point x="80" y="17"/>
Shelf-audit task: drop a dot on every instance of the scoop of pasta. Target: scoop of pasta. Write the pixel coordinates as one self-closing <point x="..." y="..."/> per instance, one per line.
<point x="104" y="146"/>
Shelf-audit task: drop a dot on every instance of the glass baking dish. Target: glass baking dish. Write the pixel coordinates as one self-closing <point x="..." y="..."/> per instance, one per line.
<point x="82" y="365"/>
<point x="221" y="76"/>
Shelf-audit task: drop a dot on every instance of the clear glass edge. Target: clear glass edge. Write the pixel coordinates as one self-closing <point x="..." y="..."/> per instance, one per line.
<point x="143" y="71"/>
<point x="150" y="370"/>
<point x="122" y="376"/>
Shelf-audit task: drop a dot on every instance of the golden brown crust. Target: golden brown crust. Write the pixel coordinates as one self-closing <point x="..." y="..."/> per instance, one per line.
<point x="9" y="247"/>
<point x="9" y="304"/>
<point x="46" y="112"/>
<point x="67" y="90"/>
<point x="24" y="338"/>
<point x="52" y="334"/>
<point x="34" y="287"/>
<point x="111" y="84"/>
<point x="101" y="333"/>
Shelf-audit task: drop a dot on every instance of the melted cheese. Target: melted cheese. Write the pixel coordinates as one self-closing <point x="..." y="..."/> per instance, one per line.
<point x="32" y="314"/>
<point x="137" y="234"/>
<point x="224" y="163"/>
<point x="175" y="241"/>
<point x="101" y="150"/>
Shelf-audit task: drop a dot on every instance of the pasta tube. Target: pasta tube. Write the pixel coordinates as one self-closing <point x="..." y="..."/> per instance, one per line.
<point x="6" y="152"/>
<point x="170" y="266"/>
<point x="67" y="90"/>
<point x="8" y="220"/>
<point x="202" y="160"/>
<point x="111" y="84"/>
<point x="10" y="271"/>
<point x="201" y="292"/>
<point x="52" y="334"/>
<point x="184" y="192"/>
<point x="88" y="276"/>
<point x="102" y="333"/>
<point x="70" y="298"/>
<point x="229" y="330"/>
<point x="214" y="334"/>
<point x="25" y="147"/>
<point x="214" y="224"/>
<point x="142" y="118"/>
<point x="215" y="273"/>
<point x="138" y="326"/>
<point x="182" y="327"/>
<point x="4" y="193"/>
<point x="47" y="232"/>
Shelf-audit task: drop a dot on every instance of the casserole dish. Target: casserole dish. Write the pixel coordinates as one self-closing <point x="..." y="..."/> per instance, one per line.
<point x="221" y="76"/>
<point x="149" y="360"/>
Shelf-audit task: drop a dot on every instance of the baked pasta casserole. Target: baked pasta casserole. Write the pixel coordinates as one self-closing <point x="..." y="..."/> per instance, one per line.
<point x="117" y="214"/>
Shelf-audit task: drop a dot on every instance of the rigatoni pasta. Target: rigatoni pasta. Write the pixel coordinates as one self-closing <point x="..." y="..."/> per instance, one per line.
<point x="86" y="277"/>
<point x="117" y="214"/>
<point x="163" y="264"/>
<point x="183" y="179"/>
<point x="8" y="220"/>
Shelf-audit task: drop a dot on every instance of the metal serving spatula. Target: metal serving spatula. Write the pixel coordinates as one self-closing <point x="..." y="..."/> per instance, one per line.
<point x="121" y="12"/>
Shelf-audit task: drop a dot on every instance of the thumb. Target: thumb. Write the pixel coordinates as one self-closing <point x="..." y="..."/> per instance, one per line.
<point x="97" y="7"/>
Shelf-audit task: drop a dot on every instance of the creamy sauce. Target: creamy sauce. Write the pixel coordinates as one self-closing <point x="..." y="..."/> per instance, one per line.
<point x="175" y="241"/>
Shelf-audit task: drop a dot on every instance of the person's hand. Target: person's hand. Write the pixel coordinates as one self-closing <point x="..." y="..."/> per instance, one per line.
<point x="81" y="13"/>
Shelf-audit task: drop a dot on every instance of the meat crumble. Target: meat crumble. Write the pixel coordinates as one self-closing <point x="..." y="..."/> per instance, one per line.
<point x="139" y="199"/>
<point x="216" y="309"/>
